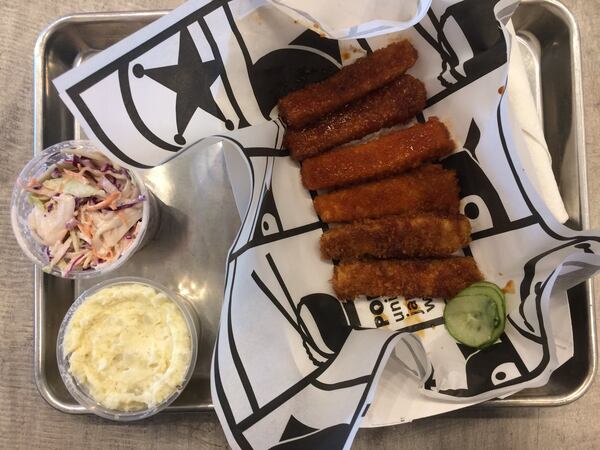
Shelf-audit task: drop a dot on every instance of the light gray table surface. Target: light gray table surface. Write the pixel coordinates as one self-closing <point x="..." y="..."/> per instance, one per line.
<point x="26" y="421"/>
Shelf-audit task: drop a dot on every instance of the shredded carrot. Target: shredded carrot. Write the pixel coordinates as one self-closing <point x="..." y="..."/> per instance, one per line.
<point x="95" y="253"/>
<point x="33" y="182"/>
<point x="122" y="216"/>
<point x="41" y="192"/>
<point x="85" y="229"/>
<point x="84" y="218"/>
<point x="110" y="255"/>
<point x="108" y="202"/>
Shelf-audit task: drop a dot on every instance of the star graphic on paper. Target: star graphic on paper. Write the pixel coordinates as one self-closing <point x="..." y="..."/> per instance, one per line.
<point x="191" y="80"/>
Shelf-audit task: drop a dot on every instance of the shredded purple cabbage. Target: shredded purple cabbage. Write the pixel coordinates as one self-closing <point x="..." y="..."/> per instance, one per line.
<point x="137" y="201"/>
<point x="106" y="184"/>
<point x="72" y="264"/>
<point x="79" y="202"/>
<point x="107" y="167"/>
<point x="71" y="224"/>
<point x="88" y="163"/>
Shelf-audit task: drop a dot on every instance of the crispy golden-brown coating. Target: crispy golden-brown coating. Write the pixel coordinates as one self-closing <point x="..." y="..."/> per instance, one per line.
<point x="394" y="103"/>
<point x="382" y="157"/>
<point x="415" y="235"/>
<point x="429" y="188"/>
<point x="366" y="74"/>
<point x="443" y="278"/>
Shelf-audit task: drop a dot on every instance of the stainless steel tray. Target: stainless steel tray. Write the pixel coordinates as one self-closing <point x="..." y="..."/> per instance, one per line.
<point x="188" y="253"/>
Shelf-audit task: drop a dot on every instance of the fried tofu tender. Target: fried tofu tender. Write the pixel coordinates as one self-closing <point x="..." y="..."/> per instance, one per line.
<point x="394" y="103"/>
<point x="428" y="188"/>
<point x="352" y="82"/>
<point x="443" y="278"/>
<point x="415" y="235"/>
<point x="379" y="158"/>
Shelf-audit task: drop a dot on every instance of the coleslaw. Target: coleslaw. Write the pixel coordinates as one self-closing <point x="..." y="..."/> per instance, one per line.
<point x="86" y="211"/>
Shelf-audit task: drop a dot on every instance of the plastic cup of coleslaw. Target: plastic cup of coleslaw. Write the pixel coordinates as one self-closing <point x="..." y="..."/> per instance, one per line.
<point x="102" y="242"/>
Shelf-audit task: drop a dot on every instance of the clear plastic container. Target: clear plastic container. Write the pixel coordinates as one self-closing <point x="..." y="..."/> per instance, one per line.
<point x="79" y="391"/>
<point x="20" y="209"/>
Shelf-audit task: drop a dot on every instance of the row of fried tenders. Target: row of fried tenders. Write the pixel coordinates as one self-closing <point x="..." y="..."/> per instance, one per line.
<point x="390" y="200"/>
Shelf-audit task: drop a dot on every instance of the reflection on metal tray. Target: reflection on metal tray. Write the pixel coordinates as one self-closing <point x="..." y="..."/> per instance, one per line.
<point x="188" y="253"/>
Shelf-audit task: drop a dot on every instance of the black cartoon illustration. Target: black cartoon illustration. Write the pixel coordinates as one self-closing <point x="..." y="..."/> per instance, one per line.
<point x="324" y="311"/>
<point x="306" y="59"/>
<point x="271" y="77"/>
<point x="486" y="369"/>
<point x="268" y="220"/>
<point x="191" y="80"/>
<point x="484" y="206"/>
<point x="300" y="437"/>
<point x="284" y="70"/>
<point x="475" y="21"/>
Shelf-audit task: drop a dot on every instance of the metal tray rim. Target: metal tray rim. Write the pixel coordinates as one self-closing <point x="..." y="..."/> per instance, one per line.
<point x="585" y="218"/>
<point x="39" y="364"/>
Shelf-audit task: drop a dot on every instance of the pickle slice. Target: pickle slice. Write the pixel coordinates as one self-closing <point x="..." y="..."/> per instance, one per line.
<point x="476" y="316"/>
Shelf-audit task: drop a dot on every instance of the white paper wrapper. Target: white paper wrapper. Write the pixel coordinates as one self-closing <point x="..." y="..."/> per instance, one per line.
<point x="293" y="367"/>
<point x="534" y="156"/>
<point x="342" y="19"/>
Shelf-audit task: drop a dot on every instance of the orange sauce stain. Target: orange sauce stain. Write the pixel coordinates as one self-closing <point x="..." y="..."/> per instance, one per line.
<point x="509" y="288"/>
<point x="413" y="320"/>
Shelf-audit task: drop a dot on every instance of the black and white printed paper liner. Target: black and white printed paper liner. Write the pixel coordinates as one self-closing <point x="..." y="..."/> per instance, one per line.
<point x="293" y="367"/>
<point x="359" y="19"/>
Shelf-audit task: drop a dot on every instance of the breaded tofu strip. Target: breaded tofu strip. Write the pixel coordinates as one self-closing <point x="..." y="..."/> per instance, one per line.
<point x="382" y="157"/>
<point x="429" y="188"/>
<point x="407" y="277"/>
<point x="416" y="235"/>
<point x="390" y="105"/>
<point x="366" y="74"/>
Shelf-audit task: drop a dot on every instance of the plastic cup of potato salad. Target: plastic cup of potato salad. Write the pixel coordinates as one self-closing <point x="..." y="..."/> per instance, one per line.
<point x="76" y="214"/>
<point x="127" y="348"/>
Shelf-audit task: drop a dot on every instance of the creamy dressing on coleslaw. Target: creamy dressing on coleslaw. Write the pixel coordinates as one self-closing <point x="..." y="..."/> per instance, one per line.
<point x="86" y="211"/>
